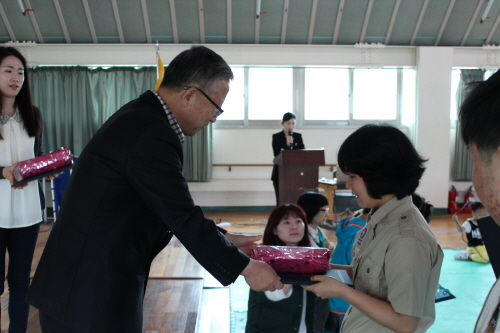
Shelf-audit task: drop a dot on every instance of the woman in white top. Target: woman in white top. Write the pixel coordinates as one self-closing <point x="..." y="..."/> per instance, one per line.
<point x="20" y="207"/>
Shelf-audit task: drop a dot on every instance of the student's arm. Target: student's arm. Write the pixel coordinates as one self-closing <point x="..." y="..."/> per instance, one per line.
<point x="379" y="311"/>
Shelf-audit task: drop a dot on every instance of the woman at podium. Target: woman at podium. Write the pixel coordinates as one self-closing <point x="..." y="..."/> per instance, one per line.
<point x="285" y="139"/>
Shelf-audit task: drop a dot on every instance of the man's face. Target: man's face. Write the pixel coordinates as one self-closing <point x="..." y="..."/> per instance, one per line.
<point x="486" y="180"/>
<point x="201" y="111"/>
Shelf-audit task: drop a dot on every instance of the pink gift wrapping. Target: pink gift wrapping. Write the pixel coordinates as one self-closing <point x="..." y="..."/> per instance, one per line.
<point x="293" y="259"/>
<point x="35" y="166"/>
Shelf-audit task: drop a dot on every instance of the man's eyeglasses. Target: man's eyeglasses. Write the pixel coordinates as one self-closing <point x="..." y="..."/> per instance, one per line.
<point x="219" y="110"/>
<point x="325" y="210"/>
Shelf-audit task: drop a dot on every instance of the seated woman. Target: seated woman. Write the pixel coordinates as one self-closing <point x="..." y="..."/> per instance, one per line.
<point x="315" y="205"/>
<point x="290" y="309"/>
<point x="396" y="258"/>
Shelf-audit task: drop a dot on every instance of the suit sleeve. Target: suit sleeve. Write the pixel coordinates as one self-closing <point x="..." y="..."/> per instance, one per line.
<point x="154" y="169"/>
<point x="278" y="143"/>
<point x="300" y="143"/>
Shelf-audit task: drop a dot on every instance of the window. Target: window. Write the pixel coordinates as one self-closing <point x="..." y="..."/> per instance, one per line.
<point x="375" y="94"/>
<point x="326" y="94"/>
<point x="234" y="105"/>
<point x="270" y="93"/>
<point x="319" y="96"/>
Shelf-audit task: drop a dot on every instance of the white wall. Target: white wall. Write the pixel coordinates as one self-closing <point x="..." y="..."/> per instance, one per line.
<point x="434" y="67"/>
<point x="251" y="186"/>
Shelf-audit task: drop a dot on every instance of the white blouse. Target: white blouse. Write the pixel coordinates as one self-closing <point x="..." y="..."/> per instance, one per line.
<point x="20" y="207"/>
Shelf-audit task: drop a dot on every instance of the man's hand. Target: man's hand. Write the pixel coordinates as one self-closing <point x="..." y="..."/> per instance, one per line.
<point x="242" y="242"/>
<point x="8" y="173"/>
<point x="261" y="277"/>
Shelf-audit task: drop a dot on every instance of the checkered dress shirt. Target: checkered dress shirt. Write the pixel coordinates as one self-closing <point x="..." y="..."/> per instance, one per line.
<point x="171" y="119"/>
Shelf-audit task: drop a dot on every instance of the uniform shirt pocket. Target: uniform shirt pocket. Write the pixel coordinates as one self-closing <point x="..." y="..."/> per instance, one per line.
<point x="371" y="279"/>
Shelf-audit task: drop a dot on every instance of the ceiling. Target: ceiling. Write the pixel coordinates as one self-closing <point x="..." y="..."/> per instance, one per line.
<point x="340" y="22"/>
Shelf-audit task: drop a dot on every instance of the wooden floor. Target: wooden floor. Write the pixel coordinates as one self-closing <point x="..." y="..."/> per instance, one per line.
<point x="181" y="298"/>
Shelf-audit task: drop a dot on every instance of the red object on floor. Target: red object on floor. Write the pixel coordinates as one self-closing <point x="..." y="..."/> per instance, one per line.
<point x="453" y="201"/>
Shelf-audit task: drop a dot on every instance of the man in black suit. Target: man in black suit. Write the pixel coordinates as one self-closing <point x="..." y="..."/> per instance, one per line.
<point x="125" y="200"/>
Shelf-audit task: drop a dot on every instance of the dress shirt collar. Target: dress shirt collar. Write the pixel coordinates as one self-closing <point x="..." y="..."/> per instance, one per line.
<point x="171" y="119"/>
<point x="5" y="118"/>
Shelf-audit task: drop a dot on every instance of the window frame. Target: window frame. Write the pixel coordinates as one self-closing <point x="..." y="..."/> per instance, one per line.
<point x="298" y="103"/>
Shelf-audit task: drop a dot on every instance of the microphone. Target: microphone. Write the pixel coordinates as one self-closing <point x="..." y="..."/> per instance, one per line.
<point x="291" y="144"/>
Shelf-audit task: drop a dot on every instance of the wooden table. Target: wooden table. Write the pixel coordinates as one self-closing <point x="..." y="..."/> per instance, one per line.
<point x="329" y="185"/>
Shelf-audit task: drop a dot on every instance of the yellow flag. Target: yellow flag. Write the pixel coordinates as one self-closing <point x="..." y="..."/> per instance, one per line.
<point x="159" y="71"/>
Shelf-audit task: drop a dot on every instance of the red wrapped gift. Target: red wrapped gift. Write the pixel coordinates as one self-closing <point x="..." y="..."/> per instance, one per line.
<point x="293" y="259"/>
<point x="42" y="164"/>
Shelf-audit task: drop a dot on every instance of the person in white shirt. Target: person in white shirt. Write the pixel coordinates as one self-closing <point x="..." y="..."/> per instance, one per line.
<point x="20" y="206"/>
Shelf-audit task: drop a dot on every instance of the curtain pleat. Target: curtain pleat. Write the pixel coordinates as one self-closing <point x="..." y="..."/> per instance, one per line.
<point x="462" y="166"/>
<point x="75" y="101"/>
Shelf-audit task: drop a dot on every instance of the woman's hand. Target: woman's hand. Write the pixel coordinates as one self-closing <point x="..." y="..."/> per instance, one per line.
<point x="8" y="173"/>
<point x="53" y="176"/>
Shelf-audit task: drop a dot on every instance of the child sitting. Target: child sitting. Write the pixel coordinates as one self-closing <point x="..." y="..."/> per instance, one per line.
<point x="476" y="251"/>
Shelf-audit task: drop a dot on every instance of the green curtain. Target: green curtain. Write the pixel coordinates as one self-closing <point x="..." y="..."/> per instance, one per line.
<point x="462" y="166"/>
<point x="75" y="101"/>
<point x="198" y="156"/>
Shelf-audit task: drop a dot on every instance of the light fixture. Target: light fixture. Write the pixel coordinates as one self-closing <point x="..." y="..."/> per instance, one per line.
<point x="485" y="14"/>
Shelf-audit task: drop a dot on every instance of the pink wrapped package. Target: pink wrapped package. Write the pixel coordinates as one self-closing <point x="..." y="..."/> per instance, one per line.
<point x="45" y="163"/>
<point x="293" y="259"/>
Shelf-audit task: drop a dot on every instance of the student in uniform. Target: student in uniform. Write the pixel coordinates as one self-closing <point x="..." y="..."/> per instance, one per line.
<point x="396" y="258"/>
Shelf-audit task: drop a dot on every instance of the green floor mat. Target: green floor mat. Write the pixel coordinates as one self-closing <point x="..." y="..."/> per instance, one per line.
<point x="468" y="281"/>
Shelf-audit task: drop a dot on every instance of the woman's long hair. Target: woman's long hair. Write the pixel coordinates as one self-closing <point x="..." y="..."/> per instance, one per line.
<point x="275" y="218"/>
<point x="31" y="120"/>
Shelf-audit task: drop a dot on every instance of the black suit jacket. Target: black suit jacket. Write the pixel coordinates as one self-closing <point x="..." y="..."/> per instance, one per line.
<point x="279" y="143"/>
<point x="126" y="197"/>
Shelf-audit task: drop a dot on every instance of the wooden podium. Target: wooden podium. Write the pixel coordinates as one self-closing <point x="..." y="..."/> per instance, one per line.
<point x="298" y="172"/>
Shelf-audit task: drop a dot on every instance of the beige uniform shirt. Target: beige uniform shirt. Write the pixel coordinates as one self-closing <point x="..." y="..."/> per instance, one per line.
<point x="397" y="259"/>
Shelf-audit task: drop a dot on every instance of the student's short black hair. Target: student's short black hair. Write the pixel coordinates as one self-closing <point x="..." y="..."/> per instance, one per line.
<point x="476" y="205"/>
<point x="480" y="115"/>
<point x="311" y="203"/>
<point x="287" y="116"/>
<point x="385" y="158"/>
<point x="200" y="67"/>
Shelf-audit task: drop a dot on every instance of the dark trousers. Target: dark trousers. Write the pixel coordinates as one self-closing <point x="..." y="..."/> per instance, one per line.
<point x="50" y="325"/>
<point x="276" y="186"/>
<point x="20" y="244"/>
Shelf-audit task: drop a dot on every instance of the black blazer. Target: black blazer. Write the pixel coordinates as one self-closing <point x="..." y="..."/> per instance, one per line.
<point x="279" y="143"/>
<point x="125" y="200"/>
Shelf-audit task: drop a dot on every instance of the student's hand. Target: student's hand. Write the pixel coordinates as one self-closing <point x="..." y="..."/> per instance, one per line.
<point x="8" y="173"/>
<point x="261" y="276"/>
<point x="242" y="242"/>
<point x="327" y="287"/>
